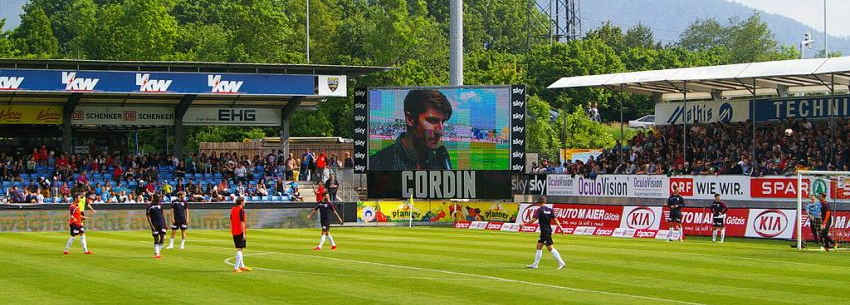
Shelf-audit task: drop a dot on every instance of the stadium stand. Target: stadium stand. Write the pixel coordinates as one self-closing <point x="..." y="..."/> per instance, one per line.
<point x="44" y="176"/>
<point x="724" y="149"/>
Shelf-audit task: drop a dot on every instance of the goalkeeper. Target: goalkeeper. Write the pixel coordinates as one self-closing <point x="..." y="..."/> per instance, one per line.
<point x="826" y="222"/>
<point x="814" y="212"/>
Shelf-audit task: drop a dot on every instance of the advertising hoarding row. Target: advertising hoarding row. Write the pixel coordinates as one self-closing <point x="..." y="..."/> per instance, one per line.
<point x="697" y="187"/>
<point x="436" y="211"/>
<point x="172" y="82"/>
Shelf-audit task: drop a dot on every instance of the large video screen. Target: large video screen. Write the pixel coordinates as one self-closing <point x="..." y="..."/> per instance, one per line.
<point x="439" y="129"/>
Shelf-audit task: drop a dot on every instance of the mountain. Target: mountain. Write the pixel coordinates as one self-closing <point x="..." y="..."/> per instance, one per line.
<point x="669" y="18"/>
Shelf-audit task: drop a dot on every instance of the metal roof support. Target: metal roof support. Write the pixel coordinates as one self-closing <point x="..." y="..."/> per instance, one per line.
<point x="685" y="124"/>
<point x="753" y="159"/>
<point x="179" y="131"/>
<point x="67" y="110"/>
<point x="287" y="112"/>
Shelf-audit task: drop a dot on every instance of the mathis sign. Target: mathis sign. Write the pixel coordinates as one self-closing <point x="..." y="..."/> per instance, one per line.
<point x="701" y="112"/>
<point x="361" y="134"/>
<point x="518" y="131"/>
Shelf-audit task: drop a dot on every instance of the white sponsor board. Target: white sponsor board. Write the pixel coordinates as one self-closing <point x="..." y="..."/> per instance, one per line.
<point x="561" y="185"/>
<point x="332" y="85"/>
<point x="701" y="112"/>
<point x="123" y="116"/>
<point x="241" y="116"/>
<point x="478" y="225"/>
<point x="641" y="218"/>
<point x="771" y="223"/>
<point x="584" y="231"/>
<point x="644" y="186"/>
<point x="510" y="227"/>
<point x="648" y="186"/>
<point x="704" y="187"/>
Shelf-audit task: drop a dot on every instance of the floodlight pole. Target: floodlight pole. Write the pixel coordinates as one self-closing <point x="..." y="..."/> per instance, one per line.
<point x="825" y="35"/>
<point x="456" y="43"/>
<point x="685" y="124"/>
<point x="308" y="31"/>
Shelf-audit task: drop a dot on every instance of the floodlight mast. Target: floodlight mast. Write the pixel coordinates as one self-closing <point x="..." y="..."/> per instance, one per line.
<point x="806" y="43"/>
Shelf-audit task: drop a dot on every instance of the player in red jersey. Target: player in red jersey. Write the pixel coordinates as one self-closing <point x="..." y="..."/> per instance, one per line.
<point x="239" y="230"/>
<point x="76" y="223"/>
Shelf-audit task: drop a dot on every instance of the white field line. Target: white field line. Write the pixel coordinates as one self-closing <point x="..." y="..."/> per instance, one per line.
<point x="473" y="275"/>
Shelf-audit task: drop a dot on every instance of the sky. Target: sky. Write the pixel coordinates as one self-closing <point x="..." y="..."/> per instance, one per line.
<point x="809" y="12"/>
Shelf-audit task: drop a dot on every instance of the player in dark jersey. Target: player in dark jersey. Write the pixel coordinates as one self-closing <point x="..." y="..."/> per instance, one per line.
<point x="826" y="223"/>
<point x="675" y="203"/>
<point x="544" y="217"/>
<point x="75" y="222"/>
<point x="718" y="216"/>
<point x="325" y="208"/>
<point x="239" y="230"/>
<point x="179" y="220"/>
<point x="156" y="220"/>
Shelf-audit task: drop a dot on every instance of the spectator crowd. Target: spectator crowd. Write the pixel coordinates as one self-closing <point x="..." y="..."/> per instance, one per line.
<point x="781" y="148"/>
<point x="44" y="176"/>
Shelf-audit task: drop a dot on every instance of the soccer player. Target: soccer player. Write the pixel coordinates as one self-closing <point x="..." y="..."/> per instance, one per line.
<point x="675" y="204"/>
<point x="77" y="228"/>
<point x="325" y="208"/>
<point x="156" y="220"/>
<point x="239" y="230"/>
<point x="544" y="216"/>
<point x="814" y="211"/>
<point x="718" y="213"/>
<point x="826" y="222"/>
<point x="179" y="220"/>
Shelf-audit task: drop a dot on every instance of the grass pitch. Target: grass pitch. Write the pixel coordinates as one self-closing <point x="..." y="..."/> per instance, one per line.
<point x="415" y="266"/>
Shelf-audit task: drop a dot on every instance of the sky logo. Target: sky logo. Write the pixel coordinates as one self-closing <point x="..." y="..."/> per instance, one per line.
<point x="72" y="83"/>
<point x="223" y="86"/>
<point x="146" y="84"/>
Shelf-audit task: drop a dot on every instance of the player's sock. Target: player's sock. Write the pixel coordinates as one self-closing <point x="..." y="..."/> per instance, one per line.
<point x="171" y="243"/>
<point x="182" y="243"/>
<point x="69" y="243"/>
<point x="83" y="241"/>
<point x="238" y="259"/>
<point x="557" y="256"/>
<point x="713" y="235"/>
<point x="722" y="234"/>
<point x="537" y="256"/>
<point x="242" y="261"/>
<point x="331" y="239"/>
<point x="670" y="234"/>
<point x="322" y="241"/>
<point x="156" y="249"/>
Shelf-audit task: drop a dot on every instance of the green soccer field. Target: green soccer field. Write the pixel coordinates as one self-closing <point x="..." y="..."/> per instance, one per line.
<point x="415" y="266"/>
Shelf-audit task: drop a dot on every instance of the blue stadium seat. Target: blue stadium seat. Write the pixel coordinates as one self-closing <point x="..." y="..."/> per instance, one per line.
<point x="48" y="200"/>
<point x="255" y="198"/>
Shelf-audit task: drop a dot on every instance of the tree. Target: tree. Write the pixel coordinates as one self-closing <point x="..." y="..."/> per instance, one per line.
<point x="133" y="30"/>
<point x="704" y="34"/>
<point x="263" y="34"/>
<point x="610" y="34"/>
<point x="541" y="136"/>
<point x="578" y="131"/>
<point x="7" y="47"/>
<point x="640" y="36"/>
<point x="748" y="40"/>
<point x="577" y="57"/>
<point x="34" y="36"/>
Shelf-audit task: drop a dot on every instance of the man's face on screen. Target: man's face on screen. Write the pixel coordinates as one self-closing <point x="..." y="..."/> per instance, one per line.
<point x="428" y="127"/>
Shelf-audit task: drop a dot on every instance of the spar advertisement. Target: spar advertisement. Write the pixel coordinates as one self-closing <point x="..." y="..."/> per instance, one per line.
<point x="730" y="187"/>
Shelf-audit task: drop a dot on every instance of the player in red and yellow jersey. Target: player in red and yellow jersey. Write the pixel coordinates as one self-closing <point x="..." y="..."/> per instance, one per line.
<point x="239" y="229"/>
<point x="75" y="221"/>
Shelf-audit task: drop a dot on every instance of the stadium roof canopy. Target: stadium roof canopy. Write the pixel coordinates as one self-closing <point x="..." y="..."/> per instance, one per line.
<point x="308" y="101"/>
<point x="815" y="75"/>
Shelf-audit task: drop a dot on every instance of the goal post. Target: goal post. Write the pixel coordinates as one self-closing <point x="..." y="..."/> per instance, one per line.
<point x="813" y="187"/>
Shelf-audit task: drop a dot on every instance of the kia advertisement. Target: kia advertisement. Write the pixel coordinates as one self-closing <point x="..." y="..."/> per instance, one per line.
<point x="641" y="218"/>
<point x="771" y="223"/>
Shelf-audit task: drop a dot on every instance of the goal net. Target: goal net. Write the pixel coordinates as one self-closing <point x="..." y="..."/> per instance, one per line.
<point x="817" y="193"/>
